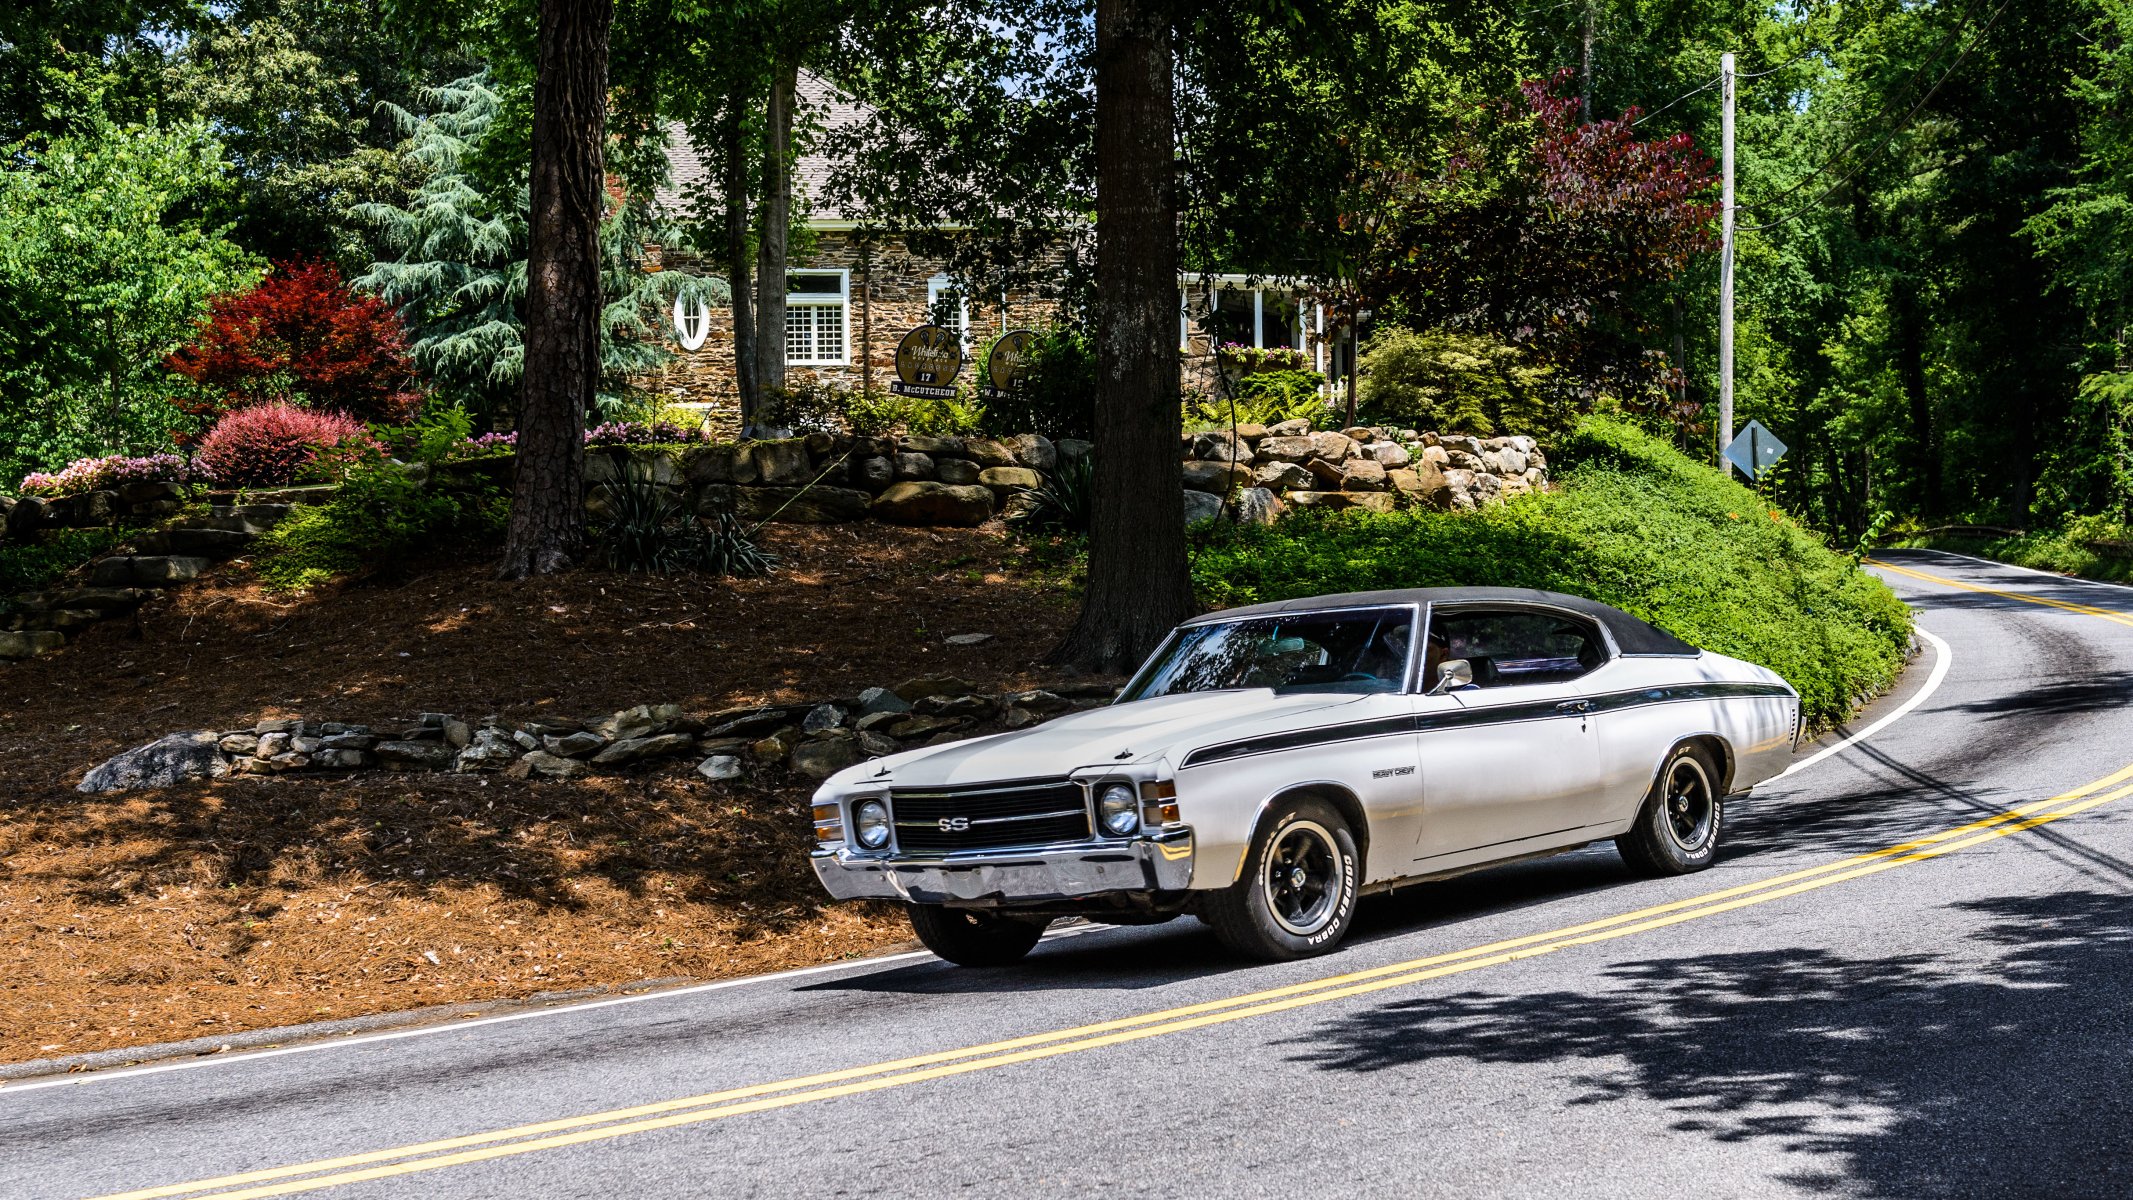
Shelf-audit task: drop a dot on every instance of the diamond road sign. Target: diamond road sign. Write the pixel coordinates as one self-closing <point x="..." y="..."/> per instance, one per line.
<point x="1754" y="450"/>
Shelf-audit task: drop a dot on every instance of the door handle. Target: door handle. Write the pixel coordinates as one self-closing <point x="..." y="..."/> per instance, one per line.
<point x="1574" y="706"/>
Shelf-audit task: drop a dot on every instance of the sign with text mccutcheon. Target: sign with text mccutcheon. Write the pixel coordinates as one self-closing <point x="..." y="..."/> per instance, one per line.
<point x="927" y="362"/>
<point x="1007" y="367"/>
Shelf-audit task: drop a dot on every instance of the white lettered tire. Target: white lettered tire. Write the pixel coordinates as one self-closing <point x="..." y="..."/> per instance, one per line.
<point x="1296" y="895"/>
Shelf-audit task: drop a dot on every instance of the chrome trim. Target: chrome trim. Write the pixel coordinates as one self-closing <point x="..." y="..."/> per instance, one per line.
<point x="1063" y="871"/>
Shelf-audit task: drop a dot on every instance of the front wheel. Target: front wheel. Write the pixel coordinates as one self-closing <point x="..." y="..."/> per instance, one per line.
<point x="1297" y="894"/>
<point x="1677" y="829"/>
<point x="969" y="938"/>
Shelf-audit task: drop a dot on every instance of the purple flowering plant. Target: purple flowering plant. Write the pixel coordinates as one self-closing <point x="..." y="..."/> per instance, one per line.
<point x="97" y="474"/>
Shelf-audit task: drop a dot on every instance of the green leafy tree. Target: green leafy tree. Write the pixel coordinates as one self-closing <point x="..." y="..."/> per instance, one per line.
<point x="105" y="267"/>
<point x="1456" y="382"/>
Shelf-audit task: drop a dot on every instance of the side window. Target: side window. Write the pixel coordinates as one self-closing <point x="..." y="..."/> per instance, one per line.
<point x="1507" y="647"/>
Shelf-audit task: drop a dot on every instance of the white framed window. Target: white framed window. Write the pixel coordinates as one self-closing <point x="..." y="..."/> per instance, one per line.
<point x="958" y="317"/>
<point x="816" y="315"/>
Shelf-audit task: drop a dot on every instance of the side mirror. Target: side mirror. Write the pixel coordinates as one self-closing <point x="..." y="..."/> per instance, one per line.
<point x="1452" y="673"/>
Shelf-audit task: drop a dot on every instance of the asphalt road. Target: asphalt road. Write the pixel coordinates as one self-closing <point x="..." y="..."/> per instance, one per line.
<point x="1949" y="1019"/>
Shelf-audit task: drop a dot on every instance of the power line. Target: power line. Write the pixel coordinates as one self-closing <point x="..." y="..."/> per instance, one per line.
<point x="1888" y="106"/>
<point x="1706" y="86"/>
<point x="1887" y="138"/>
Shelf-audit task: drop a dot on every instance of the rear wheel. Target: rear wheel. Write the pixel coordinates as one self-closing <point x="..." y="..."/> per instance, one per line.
<point x="1677" y="830"/>
<point x="969" y="938"/>
<point x="1296" y="897"/>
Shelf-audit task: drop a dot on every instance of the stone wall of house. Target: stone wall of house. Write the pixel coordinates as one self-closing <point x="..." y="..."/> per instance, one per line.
<point x="888" y="298"/>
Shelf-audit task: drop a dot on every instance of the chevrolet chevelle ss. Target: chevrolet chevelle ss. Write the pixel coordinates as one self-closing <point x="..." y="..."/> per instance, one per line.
<point x="1270" y="764"/>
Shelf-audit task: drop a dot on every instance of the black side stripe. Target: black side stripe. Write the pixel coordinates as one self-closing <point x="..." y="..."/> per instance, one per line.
<point x="1537" y="710"/>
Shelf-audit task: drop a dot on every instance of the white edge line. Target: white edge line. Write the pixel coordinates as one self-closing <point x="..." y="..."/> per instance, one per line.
<point x="1941" y="659"/>
<point x="1994" y="562"/>
<point x="330" y="1042"/>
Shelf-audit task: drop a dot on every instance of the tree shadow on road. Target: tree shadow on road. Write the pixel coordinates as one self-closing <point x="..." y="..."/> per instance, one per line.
<point x="1916" y="1075"/>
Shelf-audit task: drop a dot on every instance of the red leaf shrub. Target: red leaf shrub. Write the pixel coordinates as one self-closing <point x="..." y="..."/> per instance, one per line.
<point x="270" y="443"/>
<point x="303" y="333"/>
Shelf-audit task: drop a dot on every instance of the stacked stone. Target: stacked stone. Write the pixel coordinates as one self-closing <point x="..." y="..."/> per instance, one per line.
<point x="1265" y="470"/>
<point x="825" y="478"/>
<point x="815" y="739"/>
<point x="39" y="622"/>
<point x="22" y="516"/>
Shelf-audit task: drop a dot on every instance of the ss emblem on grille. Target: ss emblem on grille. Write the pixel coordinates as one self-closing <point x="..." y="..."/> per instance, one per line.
<point x="955" y="824"/>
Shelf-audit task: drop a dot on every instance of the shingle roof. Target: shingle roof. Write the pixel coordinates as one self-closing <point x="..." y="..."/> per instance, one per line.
<point x="689" y="174"/>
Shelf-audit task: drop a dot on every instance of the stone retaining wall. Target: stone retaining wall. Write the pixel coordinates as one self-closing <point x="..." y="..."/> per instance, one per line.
<point x="815" y="738"/>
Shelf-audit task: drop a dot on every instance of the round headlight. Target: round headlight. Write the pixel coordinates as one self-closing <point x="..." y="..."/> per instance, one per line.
<point x="1118" y="810"/>
<point x="870" y="824"/>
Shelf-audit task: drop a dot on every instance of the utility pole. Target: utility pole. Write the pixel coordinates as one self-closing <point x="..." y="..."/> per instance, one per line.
<point x="1725" y="271"/>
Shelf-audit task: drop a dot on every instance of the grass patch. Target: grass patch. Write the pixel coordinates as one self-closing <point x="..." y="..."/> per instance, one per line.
<point x="25" y="567"/>
<point x="1635" y="524"/>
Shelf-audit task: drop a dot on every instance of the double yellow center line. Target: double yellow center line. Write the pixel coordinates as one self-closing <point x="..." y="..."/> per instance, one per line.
<point x="808" y="1089"/>
<point x="2086" y="610"/>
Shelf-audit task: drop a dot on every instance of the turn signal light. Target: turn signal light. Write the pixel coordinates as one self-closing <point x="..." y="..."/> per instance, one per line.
<point x="829" y="823"/>
<point x="1159" y="804"/>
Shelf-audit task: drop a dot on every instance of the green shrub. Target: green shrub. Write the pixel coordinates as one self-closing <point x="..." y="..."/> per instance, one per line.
<point x="381" y="515"/>
<point x="648" y="529"/>
<point x="27" y="566"/>
<point x="2093" y="547"/>
<point x="1636" y="525"/>
<point x="1066" y="500"/>
<point x="1262" y="398"/>
<point x="1454" y="382"/>
<point x="1059" y="399"/>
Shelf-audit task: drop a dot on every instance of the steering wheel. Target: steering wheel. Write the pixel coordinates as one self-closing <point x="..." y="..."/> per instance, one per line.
<point x="1360" y="677"/>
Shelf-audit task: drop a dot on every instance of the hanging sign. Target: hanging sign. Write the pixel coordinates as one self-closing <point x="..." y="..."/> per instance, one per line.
<point x="927" y="362"/>
<point x="1007" y="367"/>
<point x="1754" y="450"/>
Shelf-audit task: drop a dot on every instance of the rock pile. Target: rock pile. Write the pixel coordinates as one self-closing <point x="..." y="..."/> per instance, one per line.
<point x="22" y="516"/>
<point x="825" y="478"/>
<point x="1264" y="470"/>
<point x="37" y="622"/>
<point x="815" y="739"/>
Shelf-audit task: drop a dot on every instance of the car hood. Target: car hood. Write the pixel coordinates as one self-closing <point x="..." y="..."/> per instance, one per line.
<point x="1114" y="735"/>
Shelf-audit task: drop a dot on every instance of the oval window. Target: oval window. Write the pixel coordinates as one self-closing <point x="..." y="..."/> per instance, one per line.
<point x="692" y="322"/>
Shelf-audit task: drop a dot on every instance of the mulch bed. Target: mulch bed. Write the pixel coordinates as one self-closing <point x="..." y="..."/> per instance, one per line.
<point x="157" y="916"/>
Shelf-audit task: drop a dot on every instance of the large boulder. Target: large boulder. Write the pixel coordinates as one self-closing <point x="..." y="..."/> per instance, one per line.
<point x="29" y="643"/>
<point x="1258" y="506"/>
<point x="816" y="505"/>
<point x="938" y="447"/>
<point x="631" y="750"/>
<point x="1201" y="506"/>
<point x="1334" y="447"/>
<point x="1388" y="454"/>
<point x="1362" y="475"/>
<point x="1219" y="446"/>
<point x="1073" y="450"/>
<point x="1293" y="428"/>
<point x="1034" y="451"/>
<point x="1369" y="501"/>
<point x="910" y="464"/>
<point x="1284" y="448"/>
<point x="719" y="464"/>
<point x="1216" y="477"/>
<point x="921" y="502"/>
<point x="988" y="453"/>
<point x="873" y="473"/>
<point x="1280" y="476"/>
<point x="1005" y="481"/>
<point x="782" y="461"/>
<point x="960" y="470"/>
<point x="166" y="762"/>
<point x="30" y="514"/>
<point x="822" y="759"/>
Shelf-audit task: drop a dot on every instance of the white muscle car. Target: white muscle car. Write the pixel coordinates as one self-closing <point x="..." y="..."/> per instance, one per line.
<point x="1270" y="764"/>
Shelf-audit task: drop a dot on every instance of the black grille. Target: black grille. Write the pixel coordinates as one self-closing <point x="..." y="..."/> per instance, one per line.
<point x="1011" y="814"/>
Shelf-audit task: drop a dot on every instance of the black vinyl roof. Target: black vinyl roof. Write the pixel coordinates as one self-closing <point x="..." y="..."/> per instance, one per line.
<point x="1631" y="635"/>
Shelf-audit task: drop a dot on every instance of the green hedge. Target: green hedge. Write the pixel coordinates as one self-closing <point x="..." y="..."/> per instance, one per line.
<point x="1636" y="525"/>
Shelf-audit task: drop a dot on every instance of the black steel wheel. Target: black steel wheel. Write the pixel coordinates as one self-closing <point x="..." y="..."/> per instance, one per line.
<point x="1296" y="895"/>
<point x="1678" y="828"/>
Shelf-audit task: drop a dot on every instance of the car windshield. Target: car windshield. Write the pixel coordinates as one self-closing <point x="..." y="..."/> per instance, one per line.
<point x="1361" y="650"/>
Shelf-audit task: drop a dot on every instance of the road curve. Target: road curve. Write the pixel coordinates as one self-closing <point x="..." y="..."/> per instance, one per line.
<point x="1908" y="976"/>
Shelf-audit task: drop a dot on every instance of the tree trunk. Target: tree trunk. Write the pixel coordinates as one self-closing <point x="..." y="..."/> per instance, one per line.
<point x="1138" y="585"/>
<point x="734" y="134"/>
<point x="1911" y="373"/>
<point x="771" y="246"/>
<point x="562" y="287"/>
<point x="1585" y="64"/>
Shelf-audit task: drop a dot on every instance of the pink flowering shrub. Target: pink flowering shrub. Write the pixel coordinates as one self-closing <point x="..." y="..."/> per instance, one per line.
<point x="97" y="474"/>
<point x="639" y="433"/>
<point x="270" y="443"/>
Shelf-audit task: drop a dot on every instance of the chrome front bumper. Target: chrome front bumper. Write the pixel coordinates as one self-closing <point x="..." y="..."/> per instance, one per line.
<point x="1156" y="862"/>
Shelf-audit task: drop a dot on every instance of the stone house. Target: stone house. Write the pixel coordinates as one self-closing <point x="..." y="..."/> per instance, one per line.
<point x="856" y="290"/>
